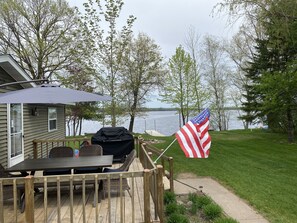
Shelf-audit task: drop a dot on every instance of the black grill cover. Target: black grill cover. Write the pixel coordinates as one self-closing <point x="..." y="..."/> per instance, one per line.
<point x="116" y="141"/>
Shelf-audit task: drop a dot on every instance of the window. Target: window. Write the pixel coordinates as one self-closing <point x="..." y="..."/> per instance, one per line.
<point x="52" y="119"/>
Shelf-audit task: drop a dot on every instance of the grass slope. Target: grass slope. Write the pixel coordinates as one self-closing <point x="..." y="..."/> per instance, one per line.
<point x="259" y="166"/>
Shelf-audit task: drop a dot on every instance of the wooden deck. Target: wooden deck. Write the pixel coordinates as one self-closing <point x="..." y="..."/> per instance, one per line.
<point x="132" y="211"/>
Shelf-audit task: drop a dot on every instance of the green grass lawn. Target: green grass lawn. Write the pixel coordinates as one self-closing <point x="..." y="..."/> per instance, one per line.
<point x="259" y="166"/>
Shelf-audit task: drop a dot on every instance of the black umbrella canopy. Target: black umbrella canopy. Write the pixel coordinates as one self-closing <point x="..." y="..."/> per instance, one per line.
<point x="50" y="94"/>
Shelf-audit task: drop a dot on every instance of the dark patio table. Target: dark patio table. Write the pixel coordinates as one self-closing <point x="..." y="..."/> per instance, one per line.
<point x="62" y="163"/>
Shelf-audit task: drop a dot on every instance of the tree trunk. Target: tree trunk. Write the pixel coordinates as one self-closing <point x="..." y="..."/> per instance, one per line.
<point x="80" y="125"/>
<point x="76" y="126"/>
<point x="73" y="124"/>
<point x="68" y="126"/>
<point x="133" y="113"/>
<point x="113" y="114"/>
<point x="131" y="123"/>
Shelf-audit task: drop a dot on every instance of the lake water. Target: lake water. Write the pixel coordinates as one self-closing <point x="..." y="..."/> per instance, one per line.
<point x="165" y="122"/>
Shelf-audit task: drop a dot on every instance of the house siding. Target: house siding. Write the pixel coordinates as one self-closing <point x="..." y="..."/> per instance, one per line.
<point x="35" y="127"/>
<point x="5" y="78"/>
<point x="3" y="134"/>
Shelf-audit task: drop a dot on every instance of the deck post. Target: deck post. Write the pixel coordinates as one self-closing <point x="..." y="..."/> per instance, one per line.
<point x="34" y="149"/>
<point x="29" y="199"/>
<point x="160" y="193"/>
<point x="136" y="144"/>
<point x="145" y="161"/>
<point x="163" y="161"/>
<point x="171" y="174"/>
<point x="146" y="195"/>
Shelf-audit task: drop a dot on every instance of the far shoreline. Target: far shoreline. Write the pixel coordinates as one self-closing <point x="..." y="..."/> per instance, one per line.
<point x="145" y="109"/>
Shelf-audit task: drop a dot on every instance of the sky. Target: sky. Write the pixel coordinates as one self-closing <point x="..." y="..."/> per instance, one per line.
<point x="168" y="22"/>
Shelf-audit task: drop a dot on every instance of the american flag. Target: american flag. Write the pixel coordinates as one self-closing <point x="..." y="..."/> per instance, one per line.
<point x="193" y="137"/>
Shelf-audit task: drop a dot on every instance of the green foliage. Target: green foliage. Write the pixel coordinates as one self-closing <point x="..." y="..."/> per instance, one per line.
<point x="142" y="71"/>
<point x="169" y="197"/>
<point x="108" y="45"/>
<point x="193" y="197"/>
<point x="201" y="207"/>
<point x="271" y="90"/>
<point x="172" y="208"/>
<point x="177" y="218"/>
<point x="199" y="201"/>
<point x="180" y="82"/>
<point x="225" y="220"/>
<point x="212" y="211"/>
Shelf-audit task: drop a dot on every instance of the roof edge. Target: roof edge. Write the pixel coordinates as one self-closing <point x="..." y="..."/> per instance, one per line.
<point x="8" y="58"/>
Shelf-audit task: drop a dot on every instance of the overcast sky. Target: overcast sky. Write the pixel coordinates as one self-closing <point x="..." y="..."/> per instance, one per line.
<point x="168" y="21"/>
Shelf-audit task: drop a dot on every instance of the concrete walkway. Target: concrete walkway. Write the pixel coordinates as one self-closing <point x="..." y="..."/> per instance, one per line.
<point x="232" y="205"/>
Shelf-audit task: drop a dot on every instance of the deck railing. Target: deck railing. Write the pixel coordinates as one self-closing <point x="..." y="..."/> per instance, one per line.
<point x="150" y="179"/>
<point x="41" y="148"/>
<point x="165" y="161"/>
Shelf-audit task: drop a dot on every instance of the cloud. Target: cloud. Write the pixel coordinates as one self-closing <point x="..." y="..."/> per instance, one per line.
<point x="168" y="21"/>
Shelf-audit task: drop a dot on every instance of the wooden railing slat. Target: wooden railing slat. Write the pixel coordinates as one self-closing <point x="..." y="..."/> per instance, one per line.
<point x="121" y="198"/>
<point x="45" y="199"/>
<point x="84" y="198"/>
<point x="109" y="203"/>
<point x="96" y="197"/>
<point x="71" y="198"/>
<point x="59" y="199"/>
<point x="15" y="202"/>
<point x="29" y="199"/>
<point x="133" y="198"/>
<point x="146" y="195"/>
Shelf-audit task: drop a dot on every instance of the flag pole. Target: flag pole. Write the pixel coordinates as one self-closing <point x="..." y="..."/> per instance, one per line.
<point x="165" y="150"/>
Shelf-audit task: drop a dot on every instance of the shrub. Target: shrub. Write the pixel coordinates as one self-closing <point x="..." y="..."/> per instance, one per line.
<point x="212" y="211"/>
<point x="174" y="208"/>
<point x="225" y="220"/>
<point x="193" y="197"/>
<point x="200" y="201"/>
<point x="169" y="197"/>
<point x="194" y="208"/>
<point x="177" y="218"/>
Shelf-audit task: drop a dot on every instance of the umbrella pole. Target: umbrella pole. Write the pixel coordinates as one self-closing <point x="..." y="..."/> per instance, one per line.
<point x="164" y="151"/>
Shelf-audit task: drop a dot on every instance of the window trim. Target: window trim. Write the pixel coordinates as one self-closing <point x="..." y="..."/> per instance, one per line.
<point x="52" y="119"/>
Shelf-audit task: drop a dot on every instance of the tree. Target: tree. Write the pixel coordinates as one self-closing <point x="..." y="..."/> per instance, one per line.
<point x="200" y="94"/>
<point x="142" y="71"/>
<point x="80" y="77"/>
<point x="41" y="35"/>
<point x="179" y="83"/>
<point x="215" y="72"/>
<point x="279" y="102"/>
<point x="108" y="47"/>
<point x="240" y="50"/>
<point x="272" y="71"/>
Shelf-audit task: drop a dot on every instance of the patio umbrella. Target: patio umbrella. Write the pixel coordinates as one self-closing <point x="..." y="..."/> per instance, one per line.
<point x="50" y="94"/>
